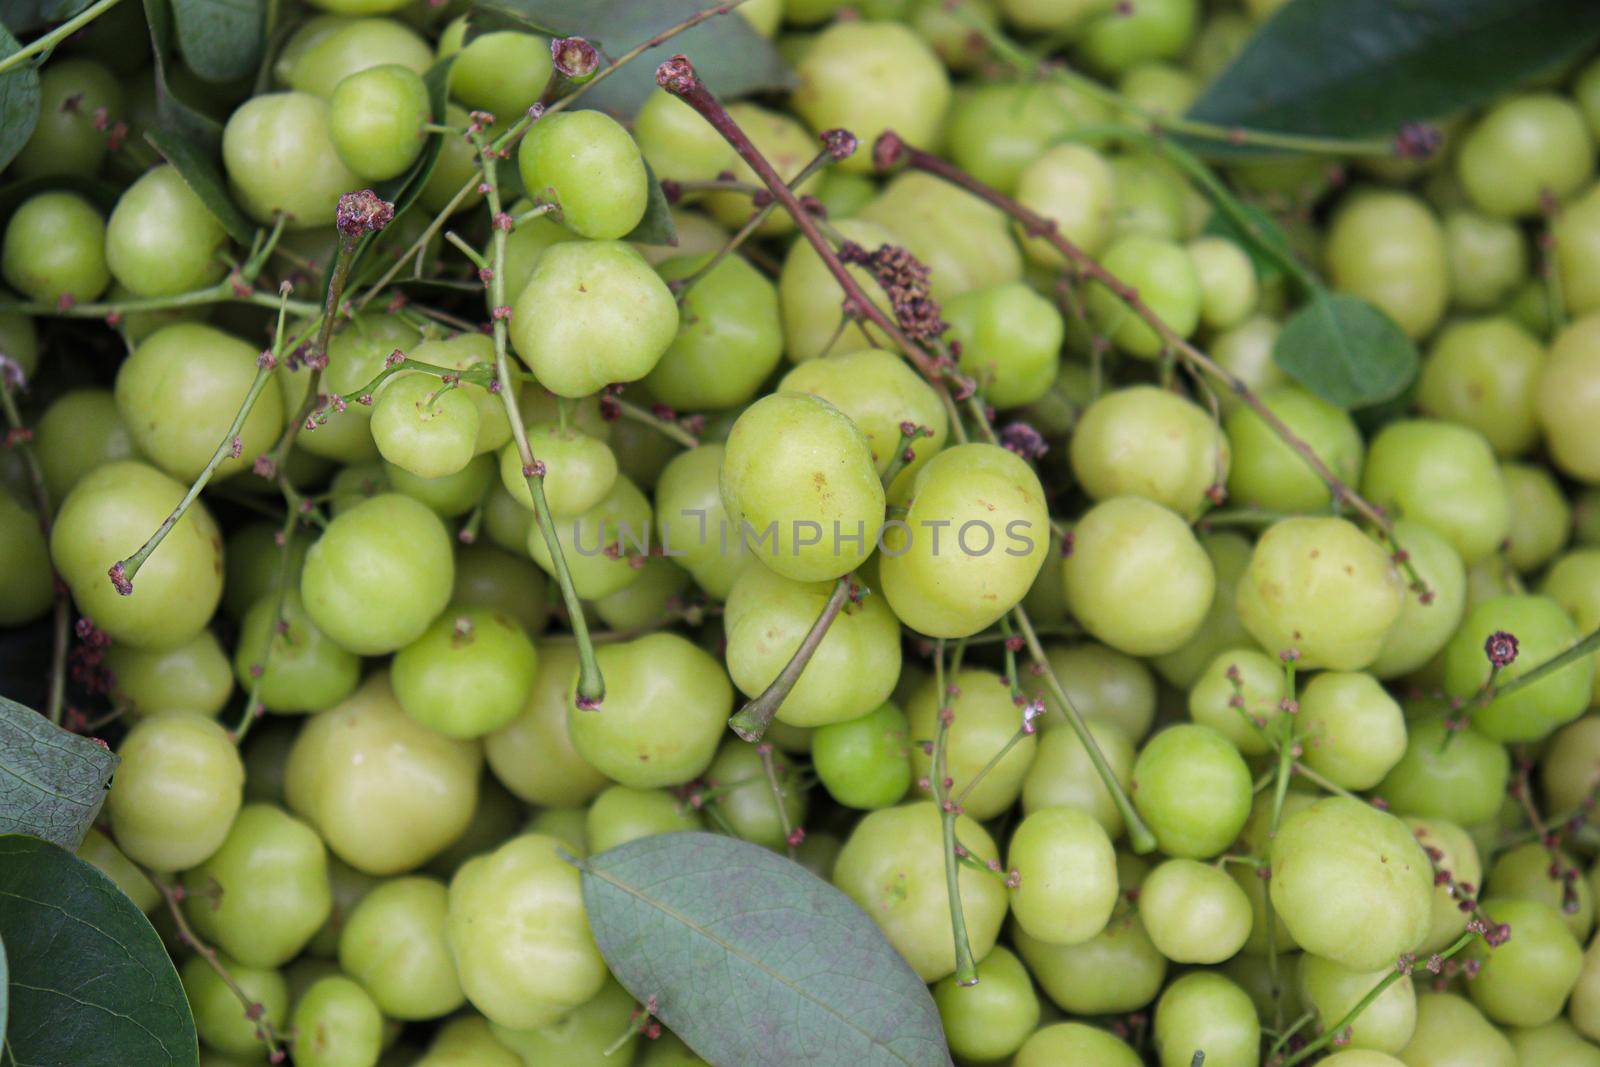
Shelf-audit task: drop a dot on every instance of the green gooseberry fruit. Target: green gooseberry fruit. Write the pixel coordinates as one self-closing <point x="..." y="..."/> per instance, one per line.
<point x="55" y="249"/>
<point x="1150" y="199"/>
<point x="1525" y="148"/>
<point x="80" y="430"/>
<point x="1068" y="876"/>
<point x="1573" y="581"/>
<point x="469" y="673"/>
<point x="1540" y="630"/>
<point x="375" y="120"/>
<point x="1075" y="1045"/>
<point x="101" y="852"/>
<point x="795" y="467"/>
<point x="280" y="158"/>
<point x="454" y="180"/>
<point x="1150" y="442"/>
<point x="489" y="577"/>
<point x="1206" y="1012"/>
<point x="79" y="103"/>
<point x="467" y="1041"/>
<point x="25" y="564"/>
<point x="1240" y="696"/>
<point x="1246" y="352"/>
<point x="677" y="143"/>
<point x="693" y="523"/>
<point x="1451" y="1031"/>
<point x="1351" y="883"/>
<point x="584" y="1035"/>
<point x="965" y="243"/>
<point x="1267" y="473"/>
<point x="744" y="800"/>
<point x="1136" y="578"/>
<point x="448" y="496"/>
<point x="263" y="894"/>
<point x="1566" y="412"/>
<point x="1194" y="912"/>
<point x="868" y="77"/>
<point x="218" y="1016"/>
<point x="1484" y="373"/>
<point x="1104" y="685"/>
<point x="254" y="560"/>
<point x="161" y="239"/>
<point x="811" y="302"/>
<point x="654" y="595"/>
<point x="1010" y="339"/>
<point x="587" y="167"/>
<point x="891" y="866"/>
<point x="1425" y="623"/>
<point x="1488" y="259"/>
<point x="379" y="574"/>
<point x="1112" y="42"/>
<point x="1164" y="277"/>
<point x="520" y="936"/>
<point x="326" y="49"/>
<point x="1333" y="990"/>
<point x="666" y="703"/>
<point x="1557" y="1042"/>
<point x="729" y="339"/>
<point x="986" y="1022"/>
<point x="1228" y="289"/>
<point x="1159" y="88"/>
<point x="176" y="791"/>
<point x="1355" y="732"/>
<point x="986" y="720"/>
<point x="997" y="130"/>
<point x="579" y="470"/>
<point x="1193" y="788"/>
<point x="1525" y="980"/>
<point x="1321" y="588"/>
<point x="356" y="356"/>
<point x="179" y="391"/>
<point x="394" y="944"/>
<point x="597" y="543"/>
<point x="1062" y="774"/>
<point x="336" y="1024"/>
<point x="1116" y="971"/>
<point x="503" y="73"/>
<point x="108" y="514"/>
<point x="305" y="671"/>
<point x="1585" y="997"/>
<point x="1455" y="781"/>
<point x="1524" y="873"/>
<point x="1220" y="629"/>
<point x="385" y="792"/>
<point x="1541" y="518"/>
<point x="852" y="671"/>
<point x="787" y="146"/>
<point x="1450" y="848"/>
<point x="461" y="352"/>
<point x="880" y="394"/>
<point x="593" y="313"/>
<point x="1388" y="247"/>
<point x="865" y="762"/>
<point x="621" y="814"/>
<point x="1576" y="231"/>
<point x="423" y="426"/>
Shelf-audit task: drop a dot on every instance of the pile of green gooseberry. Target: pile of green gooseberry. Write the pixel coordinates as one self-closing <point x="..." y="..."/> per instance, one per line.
<point x="1205" y="683"/>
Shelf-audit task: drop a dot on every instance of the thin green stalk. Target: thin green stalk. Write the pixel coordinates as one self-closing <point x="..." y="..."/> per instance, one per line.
<point x="43" y="45"/>
<point x="966" y="965"/>
<point x="253" y="707"/>
<point x="751" y="721"/>
<point x="591" y="685"/>
<point x="665" y="427"/>
<point x="220" y="293"/>
<point x="1139" y="834"/>
<point x="778" y="795"/>
<point x="1281" y="774"/>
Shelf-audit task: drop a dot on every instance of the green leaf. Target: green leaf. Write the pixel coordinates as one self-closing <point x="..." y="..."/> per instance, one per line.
<point x="1346" y="351"/>
<point x="183" y="119"/>
<point x="730" y="56"/>
<point x="200" y="173"/>
<point x="657" y="227"/>
<point x="52" y="782"/>
<point x="25" y="16"/>
<point x="90" y="982"/>
<point x="19" y="101"/>
<point x="752" y="959"/>
<point x="1362" y="68"/>
<point x="221" y="40"/>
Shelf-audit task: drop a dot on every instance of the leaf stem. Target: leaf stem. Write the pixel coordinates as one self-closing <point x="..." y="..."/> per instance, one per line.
<point x="666" y="427"/>
<point x="751" y="721"/>
<point x="48" y="42"/>
<point x="938" y="776"/>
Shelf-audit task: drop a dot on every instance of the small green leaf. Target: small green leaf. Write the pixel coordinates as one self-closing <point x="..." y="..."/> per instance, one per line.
<point x="201" y="175"/>
<point x="1345" y="350"/>
<point x="174" y="114"/>
<point x="221" y="40"/>
<point x="25" y="16"/>
<point x="731" y="57"/>
<point x="19" y="101"/>
<point x="1363" y="68"/>
<point x="657" y="227"/>
<point x="89" y="982"/>
<point x="52" y="782"/>
<point x="752" y="959"/>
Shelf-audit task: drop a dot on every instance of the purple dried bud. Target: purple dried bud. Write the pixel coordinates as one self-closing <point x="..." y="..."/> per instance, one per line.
<point x="265" y="467"/>
<point x="671" y="190"/>
<point x="266" y="360"/>
<point x="1501" y="648"/>
<point x="1024" y="440"/>
<point x="501" y="312"/>
<point x="841" y="144"/>
<point x="677" y="76"/>
<point x="236" y="449"/>
<point x="575" y="58"/>
<point x="363" y="212"/>
<point x="1417" y="140"/>
<point x="119" y="579"/>
<point x="888" y="150"/>
<point x="584" y="703"/>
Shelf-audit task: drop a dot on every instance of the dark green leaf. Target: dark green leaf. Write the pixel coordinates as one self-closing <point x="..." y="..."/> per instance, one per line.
<point x="177" y="116"/>
<point x="1346" y="351"/>
<point x="1363" y="68"/>
<point x="732" y="58"/>
<point x="1259" y="229"/>
<point x="52" y="782"/>
<point x="25" y="16"/>
<point x="221" y="40"/>
<point x="200" y="174"/>
<point x="752" y="959"/>
<point x="19" y="101"/>
<point x="90" y="982"/>
<point x="657" y="227"/>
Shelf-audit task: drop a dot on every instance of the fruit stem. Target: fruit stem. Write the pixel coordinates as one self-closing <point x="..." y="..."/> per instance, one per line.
<point x="20" y="438"/>
<point x="48" y="42"/>
<point x="764" y="750"/>
<point x="751" y="721"/>
<point x="666" y="427"/>
<point x="252" y="1009"/>
<point x="1549" y="266"/>
<point x="253" y="708"/>
<point x="222" y="292"/>
<point x="1139" y="834"/>
<point x="966" y="966"/>
<point x="591" y="685"/>
<point x="681" y="286"/>
<point x="1589" y="643"/>
<point x="123" y="571"/>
